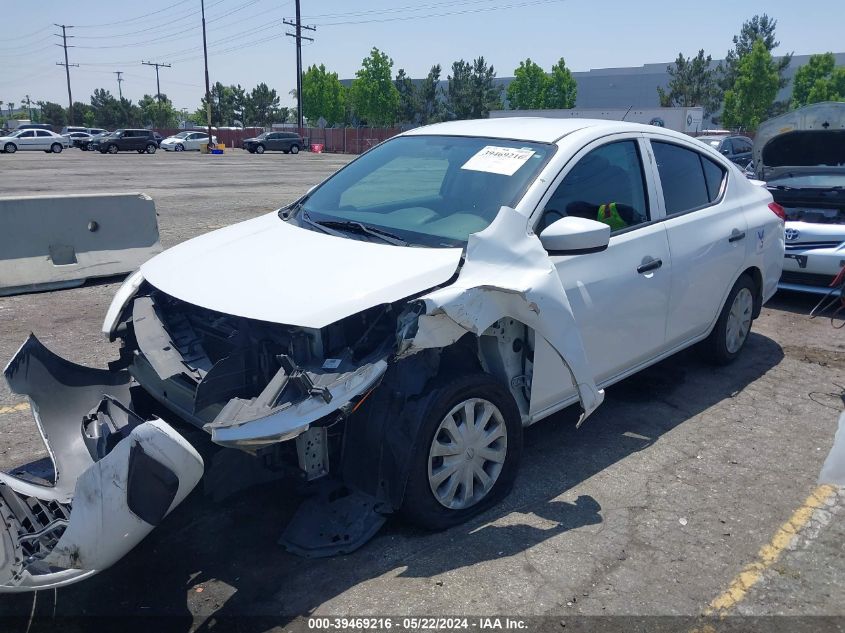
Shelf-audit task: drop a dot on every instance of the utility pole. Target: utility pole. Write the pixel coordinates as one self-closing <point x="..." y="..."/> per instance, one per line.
<point x="120" y="80"/>
<point x="298" y="26"/>
<point x="158" y="85"/>
<point x="207" y="84"/>
<point x="29" y="107"/>
<point x="67" y="66"/>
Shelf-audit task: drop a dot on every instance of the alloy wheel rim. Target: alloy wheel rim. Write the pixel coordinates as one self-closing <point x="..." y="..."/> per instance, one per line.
<point x="467" y="454"/>
<point x="739" y="320"/>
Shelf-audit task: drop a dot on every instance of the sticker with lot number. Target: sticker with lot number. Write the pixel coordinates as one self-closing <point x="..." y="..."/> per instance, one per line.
<point x="498" y="160"/>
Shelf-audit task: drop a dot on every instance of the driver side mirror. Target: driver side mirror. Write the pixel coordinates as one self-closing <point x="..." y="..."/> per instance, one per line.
<point x="726" y="152"/>
<point x="575" y="236"/>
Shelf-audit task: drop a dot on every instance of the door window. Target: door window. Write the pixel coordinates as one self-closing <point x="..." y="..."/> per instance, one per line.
<point x="690" y="181"/>
<point x="605" y="185"/>
<point x="27" y="134"/>
<point x="43" y="133"/>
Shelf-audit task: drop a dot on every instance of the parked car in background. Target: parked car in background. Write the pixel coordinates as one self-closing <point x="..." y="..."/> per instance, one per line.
<point x="186" y="141"/>
<point x="33" y="139"/>
<point x="801" y="156"/>
<point x="737" y="149"/>
<point x="287" y="142"/>
<point x="78" y="139"/>
<point x="126" y="140"/>
<point x="86" y="145"/>
<point x="94" y="131"/>
<point x="465" y="280"/>
<point x="34" y="126"/>
<point x="73" y="128"/>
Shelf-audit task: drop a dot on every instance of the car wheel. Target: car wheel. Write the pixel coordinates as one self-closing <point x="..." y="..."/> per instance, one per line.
<point x="179" y="147"/>
<point x="10" y="148"/>
<point x="733" y="325"/>
<point x="56" y="148"/>
<point x="112" y="149"/>
<point x="466" y="453"/>
<point x="151" y="148"/>
<point x="294" y="149"/>
<point x="259" y="149"/>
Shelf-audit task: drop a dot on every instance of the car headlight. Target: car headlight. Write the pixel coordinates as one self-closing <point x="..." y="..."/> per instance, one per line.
<point x="122" y="297"/>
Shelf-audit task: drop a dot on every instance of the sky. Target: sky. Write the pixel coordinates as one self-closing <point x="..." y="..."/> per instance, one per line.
<point x="247" y="42"/>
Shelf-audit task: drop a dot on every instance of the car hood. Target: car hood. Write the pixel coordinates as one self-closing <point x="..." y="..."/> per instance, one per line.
<point x="270" y="270"/>
<point x="252" y="139"/>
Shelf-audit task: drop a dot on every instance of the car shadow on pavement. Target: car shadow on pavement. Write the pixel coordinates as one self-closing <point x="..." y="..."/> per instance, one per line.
<point x="209" y="563"/>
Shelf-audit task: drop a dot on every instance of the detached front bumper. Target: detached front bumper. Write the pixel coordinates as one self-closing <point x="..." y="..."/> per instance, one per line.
<point x="116" y="475"/>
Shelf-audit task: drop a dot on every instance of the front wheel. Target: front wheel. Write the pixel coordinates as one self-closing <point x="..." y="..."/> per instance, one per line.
<point x="179" y="147"/>
<point x="112" y="149"/>
<point x="10" y="148"/>
<point x="259" y="149"/>
<point x="151" y="148"/>
<point x="466" y="454"/>
<point x="56" y="148"/>
<point x="294" y="149"/>
<point x="731" y="331"/>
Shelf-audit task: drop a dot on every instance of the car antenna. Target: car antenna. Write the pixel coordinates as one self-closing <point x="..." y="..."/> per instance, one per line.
<point x="626" y="112"/>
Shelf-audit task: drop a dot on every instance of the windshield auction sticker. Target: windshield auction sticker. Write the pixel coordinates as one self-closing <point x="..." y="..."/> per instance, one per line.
<point x="498" y="160"/>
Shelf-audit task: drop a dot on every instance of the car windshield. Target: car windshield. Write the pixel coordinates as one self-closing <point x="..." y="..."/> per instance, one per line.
<point x="116" y="133"/>
<point x="182" y="135"/>
<point x="428" y="190"/>
<point x="263" y="135"/>
<point x="712" y="142"/>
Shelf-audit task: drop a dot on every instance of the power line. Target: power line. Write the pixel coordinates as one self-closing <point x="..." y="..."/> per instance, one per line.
<point x="139" y="17"/>
<point x="298" y="36"/>
<point x="67" y="66"/>
<point x="158" y="85"/>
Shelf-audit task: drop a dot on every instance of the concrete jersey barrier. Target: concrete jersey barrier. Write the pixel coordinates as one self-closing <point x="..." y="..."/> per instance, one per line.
<point x="52" y="242"/>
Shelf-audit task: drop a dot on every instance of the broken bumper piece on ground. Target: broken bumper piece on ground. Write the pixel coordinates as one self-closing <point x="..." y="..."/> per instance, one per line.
<point x="116" y="475"/>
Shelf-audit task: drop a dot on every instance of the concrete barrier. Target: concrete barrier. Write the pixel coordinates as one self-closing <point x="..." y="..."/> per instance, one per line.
<point x="52" y="242"/>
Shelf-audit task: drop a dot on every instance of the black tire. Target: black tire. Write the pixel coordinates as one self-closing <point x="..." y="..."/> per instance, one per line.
<point x="10" y="148"/>
<point x="285" y="151"/>
<point x="112" y="149"/>
<point x="294" y="149"/>
<point x="715" y="348"/>
<point x="250" y="150"/>
<point x="419" y="505"/>
<point x="259" y="149"/>
<point x="56" y="148"/>
<point x="150" y="148"/>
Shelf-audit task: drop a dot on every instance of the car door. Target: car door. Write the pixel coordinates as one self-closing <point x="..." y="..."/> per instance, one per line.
<point x="27" y="140"/>
<point x="706" y="235"/>
<point x="44" y="140"/>
<point x="619" y="296"/>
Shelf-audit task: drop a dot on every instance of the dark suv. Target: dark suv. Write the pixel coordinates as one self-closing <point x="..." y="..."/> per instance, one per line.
<point x="737" y="149"/>
<point x="287" y="142"/>
<point x="126" y="140"/>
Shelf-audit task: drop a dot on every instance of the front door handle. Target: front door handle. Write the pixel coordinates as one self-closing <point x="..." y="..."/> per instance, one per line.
<point x="736" y="235"/>
<point x="653" y="264"/>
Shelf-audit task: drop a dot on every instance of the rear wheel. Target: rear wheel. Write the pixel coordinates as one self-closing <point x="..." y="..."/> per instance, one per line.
<point x="10" y="148"/>
<point x="259" y="149"/>
<point x="733" y="325"/>
<point x="56" y="148"/>
<point x="151" y="148"/>
<point x="466" y="454"/>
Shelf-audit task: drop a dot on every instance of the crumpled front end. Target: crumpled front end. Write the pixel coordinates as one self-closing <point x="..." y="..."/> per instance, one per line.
<point x="116" y="475"/>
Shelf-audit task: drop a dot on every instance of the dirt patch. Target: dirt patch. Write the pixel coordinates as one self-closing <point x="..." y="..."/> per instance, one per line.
<point x="816" y="356"/>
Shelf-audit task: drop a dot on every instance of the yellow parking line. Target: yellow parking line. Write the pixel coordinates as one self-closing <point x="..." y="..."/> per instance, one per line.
<point x="771" y="552"/>
<point x="21" y="406"/>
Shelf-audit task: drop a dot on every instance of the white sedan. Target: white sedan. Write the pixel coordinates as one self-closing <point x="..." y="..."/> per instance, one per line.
<point x="396" y="329"/>
<point x="186" y="141"/>
<point x="28" y="140"/>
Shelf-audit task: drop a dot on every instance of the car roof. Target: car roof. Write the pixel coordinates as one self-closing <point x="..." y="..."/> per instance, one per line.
<point x="537" y="129"/>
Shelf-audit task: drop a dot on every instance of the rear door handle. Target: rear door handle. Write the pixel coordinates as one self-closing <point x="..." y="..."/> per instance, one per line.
<point x="654" y="264"/>
<point x="736" y="235"/>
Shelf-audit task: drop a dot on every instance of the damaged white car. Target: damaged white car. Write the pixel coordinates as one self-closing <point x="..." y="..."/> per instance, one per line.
<point x="392" y="332"/>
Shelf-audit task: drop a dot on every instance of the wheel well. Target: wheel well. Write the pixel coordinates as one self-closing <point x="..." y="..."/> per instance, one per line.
<point x="757" y="278"/>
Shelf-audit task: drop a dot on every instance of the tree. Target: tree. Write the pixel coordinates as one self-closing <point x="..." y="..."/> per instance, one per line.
<point x="692" y="82"/>
<point x="158" y="113"/>
<point x="262" y="105"/>
<point x="528" y="89"/>
<point x="430" y="105"/>
<point x="374" y="97"/>
<point x="53" y="114"/>
<point x="107" y="110"/>
<point x="754" y="90"/>
<point x="80" y="112"/>
<point x="227" y="103"/>
<point x="472" y="92"/>
<point x="759" y="27"/>
<point x="562" y="90"/>
<point x="322" y="95"/>
<point x="408" y="111"/>
<point x="818" y="80"/>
